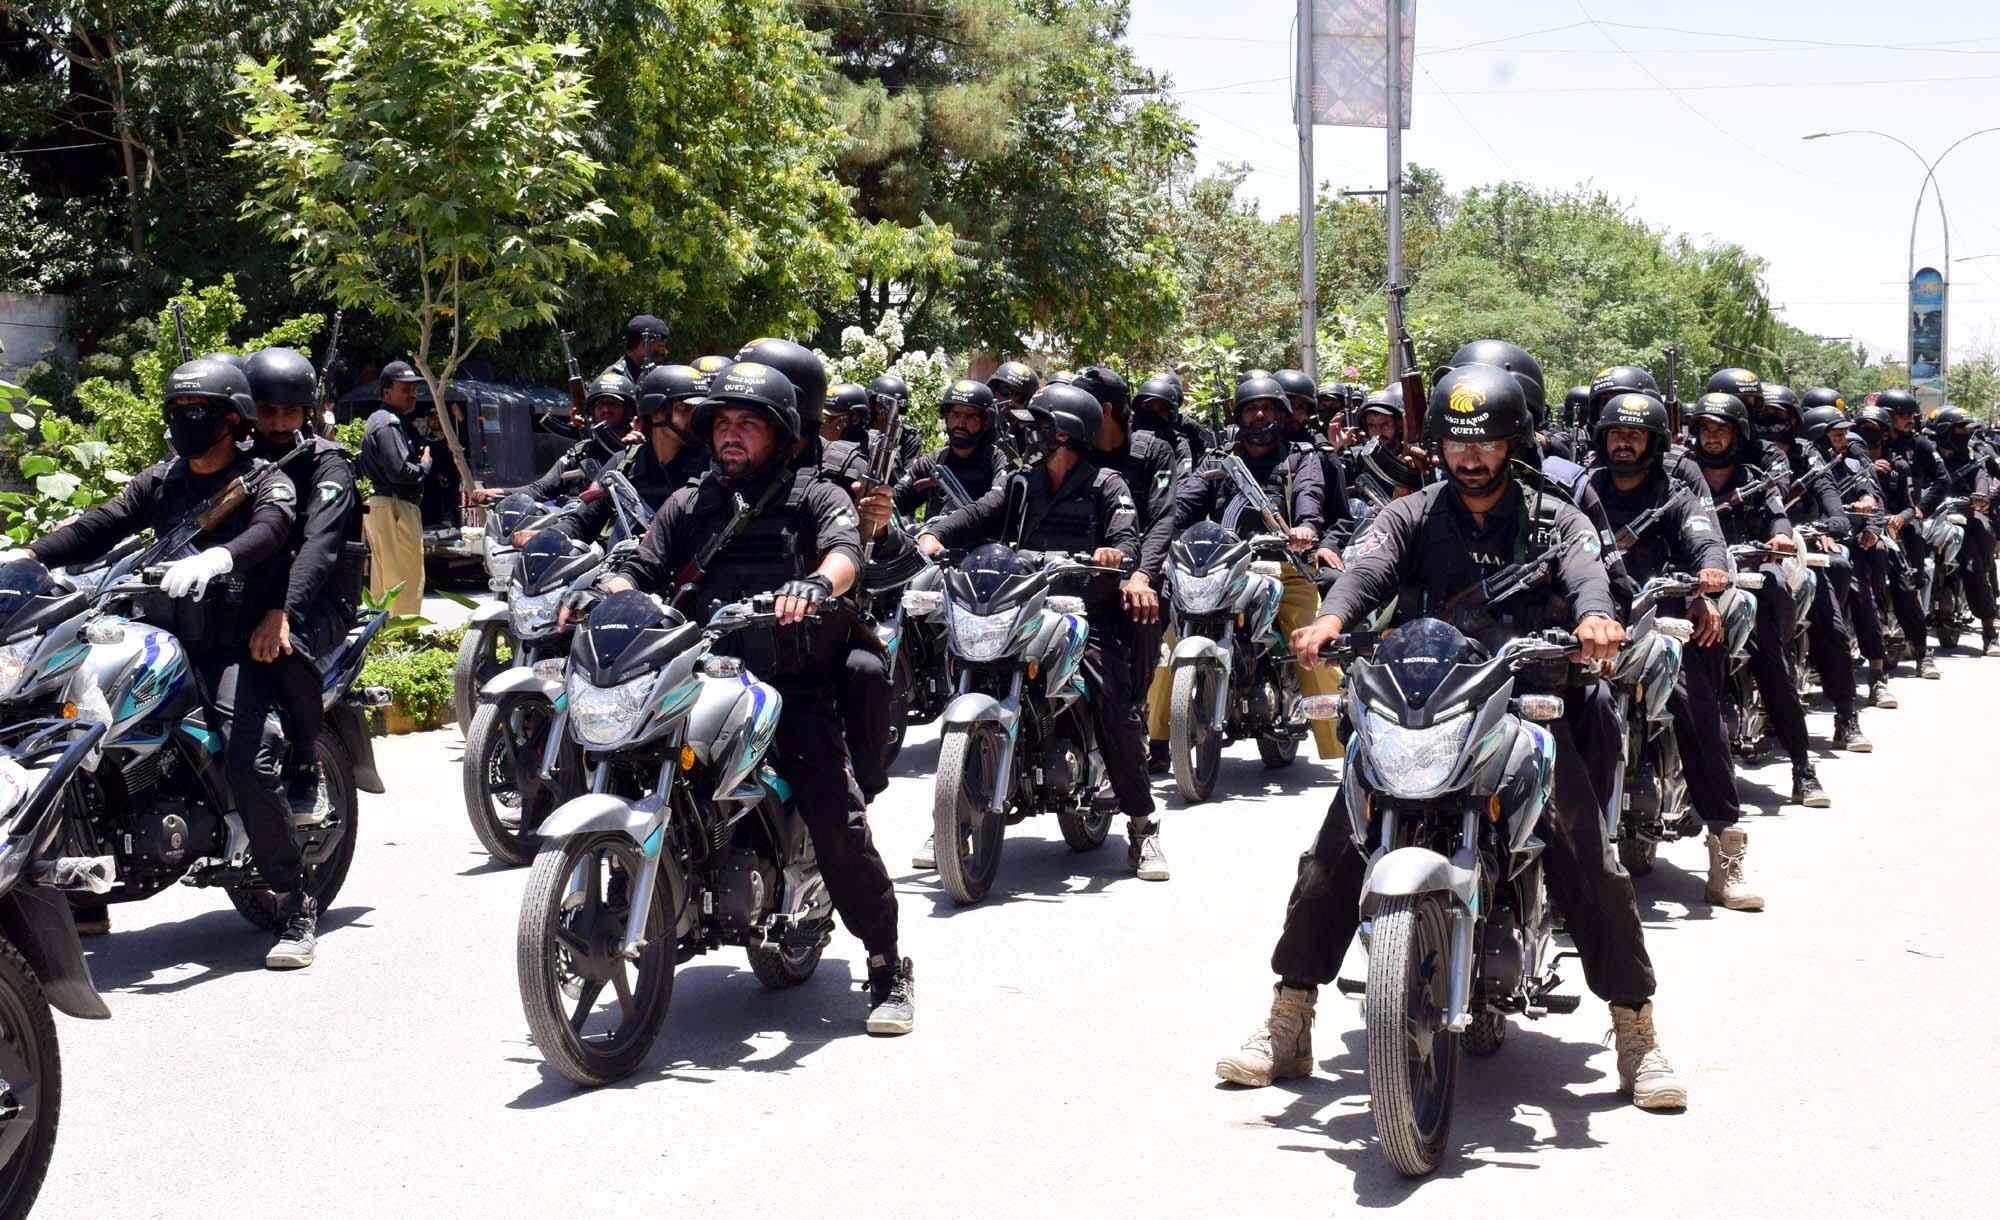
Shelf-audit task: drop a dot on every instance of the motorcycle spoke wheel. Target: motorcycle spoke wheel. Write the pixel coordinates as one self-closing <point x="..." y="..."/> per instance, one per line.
<point x="506" y="799"/>
<point x="31" y="1066"/>
<point x="1412" y="1057"/>
<point x="967" y="839"/>
<point x="593" y="1013"/>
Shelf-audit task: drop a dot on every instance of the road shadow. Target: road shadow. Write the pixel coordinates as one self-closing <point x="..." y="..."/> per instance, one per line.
<point x="1669" y="882"/>
<point x="1531" y="1073"/>
<point x="720" y="1020"/>
<point x="488" y="865"/>
<point x="222" y="942"/>
<point x="1767" y="800"/>
<point x="1035" y="870"/>
<point x="1249" y="781"/>
<point x="916" y="758"/>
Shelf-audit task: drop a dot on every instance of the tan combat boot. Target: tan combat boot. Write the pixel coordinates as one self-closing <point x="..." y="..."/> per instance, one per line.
<point x="1281" y="1047"/>
<point x="1644" y="1074"/>
<point x="1726" y="884"/>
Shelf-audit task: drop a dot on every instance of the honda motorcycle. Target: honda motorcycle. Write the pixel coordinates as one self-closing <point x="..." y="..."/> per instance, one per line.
<point x="687" y="841"/>
<point x="1233" y="674"/>
<point x="1448" y="773"/>
<point x="1652" y="798"/>
<point x="1018" y="737"/>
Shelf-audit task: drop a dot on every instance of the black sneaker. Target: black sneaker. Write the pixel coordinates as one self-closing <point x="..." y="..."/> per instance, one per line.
<point x="892" y="998"/>
<point x="298" y="919"/>
<point x="302" y="793"/>
<point x="1847" y="733"/>
<point x="1805" y="787"/>
<point x="1157" y="760"/>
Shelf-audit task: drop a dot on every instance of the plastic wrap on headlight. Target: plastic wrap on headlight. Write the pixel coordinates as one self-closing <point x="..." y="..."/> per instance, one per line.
<point x="533" y="615"/>
<point x="978" y="637"/>
<point x="1202" y="594"/>
<point x="603" y="715"/>
<point x="14" y="664"/>
<point x="1414" y="762"/>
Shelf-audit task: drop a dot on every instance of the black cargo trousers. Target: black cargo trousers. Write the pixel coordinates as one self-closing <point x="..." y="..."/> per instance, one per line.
<point x="1585" y="881"/>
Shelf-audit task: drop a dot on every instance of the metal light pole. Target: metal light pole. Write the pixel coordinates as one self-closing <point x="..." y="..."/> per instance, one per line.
<point x="1308" y="256"/>
<point x="1393" y="201"/>
<point x="1930" y="183"/>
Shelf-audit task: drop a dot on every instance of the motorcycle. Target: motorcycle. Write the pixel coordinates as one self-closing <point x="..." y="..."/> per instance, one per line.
<point x="1652" y="798"/>
<point x="1233" y="675"/>
<point x="1448" y="773"/>
<point x="1018" y="738"/>
<point x="687" y="841"/>
<point x="487" y="646"/>
<point x="1944" y="593"/>
<point x="1743" y="703"/>
<point x="152" y="797"/>
<point x="517" y="768"/>
<point x="41" y="961"/>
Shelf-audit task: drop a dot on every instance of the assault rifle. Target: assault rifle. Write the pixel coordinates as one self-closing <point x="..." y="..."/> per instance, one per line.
<point x="576" y="389"/>
<point x="1252" y="491"/>
<point x="1412" y="379"/>
<point x="323" y="391"/>
<point x="181" y="332"/>
<point x="687" y="581"/>
<point x="1514" y="579"/>
<point x="1673" y="397"/>
<point x="887" y="446"/>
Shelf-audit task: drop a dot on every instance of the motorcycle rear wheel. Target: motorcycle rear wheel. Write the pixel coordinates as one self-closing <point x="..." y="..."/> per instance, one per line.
<point x="566" y="951"/>
<point x="1194" y="747"/>
<point x="1637" y="854"/>
<point x="967" y="839"/>
<point x="478" y="662"/>
<point x="1412" y="1057"/>
<point x="779" y="969"/>
<point x="31" y="1064"/>
<point x="326" y="875"/>
<point x="505" y="797"/>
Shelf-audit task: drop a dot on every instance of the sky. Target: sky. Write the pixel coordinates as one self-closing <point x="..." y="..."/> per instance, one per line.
<point x="1696" y="128"/>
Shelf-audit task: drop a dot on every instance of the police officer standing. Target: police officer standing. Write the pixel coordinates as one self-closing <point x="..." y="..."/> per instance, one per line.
<point x="801" y="541"/>
<point x="645" y="346"/>
<point x="393" y="522"/>
<point x="1072" y="504"/>
<point x="1424" y="550"/>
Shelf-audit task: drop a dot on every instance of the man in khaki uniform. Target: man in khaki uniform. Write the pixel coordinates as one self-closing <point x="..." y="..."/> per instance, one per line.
<point x="393" y="525"/>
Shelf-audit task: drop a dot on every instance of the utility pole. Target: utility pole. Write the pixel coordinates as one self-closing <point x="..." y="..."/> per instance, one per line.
<point x="1308" y="256"/>
<point x="1393" y="201"/>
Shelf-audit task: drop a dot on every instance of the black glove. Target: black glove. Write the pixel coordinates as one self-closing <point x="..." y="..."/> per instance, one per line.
<point x="580" y="602"/>
<point x="812" y="590"/>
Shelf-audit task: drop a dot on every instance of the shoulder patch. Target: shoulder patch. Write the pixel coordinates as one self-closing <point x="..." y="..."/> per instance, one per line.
<point x="329" y="492"/>
<point x="280" y="491"/>
<point x="1698" y="523"/>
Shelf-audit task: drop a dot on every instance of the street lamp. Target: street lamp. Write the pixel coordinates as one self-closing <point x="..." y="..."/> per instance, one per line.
<point x="1929" y="183"/>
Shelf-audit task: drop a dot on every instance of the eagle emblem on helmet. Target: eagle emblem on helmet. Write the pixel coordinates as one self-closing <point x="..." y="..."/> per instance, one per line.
<point x="1465" y="400"/>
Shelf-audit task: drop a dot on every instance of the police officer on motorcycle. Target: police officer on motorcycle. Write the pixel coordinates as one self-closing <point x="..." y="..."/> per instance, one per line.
<point x="1897" y="576"/>
<point x="208" y="410"/>
<point x="847" y="414"/>
<point x="1968" y="473"/>
<point x="1156" y="408"/>
<point x="886" y="392"/>
<point x="1425" y="550"/>
<point x="666" y="459"/>
<point x="1068" y="502"/>
<point x="1660" y="526"/>
<point x="799" y="539"/>
<point x="1826" y="427"/>
<point x="969" y="454"/>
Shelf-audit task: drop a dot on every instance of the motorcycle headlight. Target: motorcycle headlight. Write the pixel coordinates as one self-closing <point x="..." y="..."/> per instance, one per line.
<point x="14" y="664"/>
<point x="533" y="615"/>
<point x="1414" y="762"/>
<point x="1202" y="594"/>
<point x="604" y="715"/>
<point x="980" y="637"/>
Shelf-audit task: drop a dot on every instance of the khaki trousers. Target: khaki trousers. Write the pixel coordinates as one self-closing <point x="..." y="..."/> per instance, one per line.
<point x="394" y="529"/>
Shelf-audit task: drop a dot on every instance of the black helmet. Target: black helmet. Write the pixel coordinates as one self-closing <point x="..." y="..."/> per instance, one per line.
<point x="1107" y="387"/>
<point x="666" y="384"/>
<point x="1744" y="384"/>
<point x="965" y="392"/>
<point x="800" y="367"/>
<point x="1161" y="389"/>
<point x="888" y="390"/>
<point x="612" y="385"/>
<point x="1576" y="405"/>
<point x="706" y="367"/>
<point x="1823" y="396"/>
<point x="760" y="387"/>
<point x="216" y="380"/>
<point x="1014" y="378"/>
<point x="847" y="398"/>
<point x="229" y="358"/>
<point x="1717" y="404"/>
<point x="1821" y="420"/>
<point x="1382" y="402"/>
<point x="1477" y="402"/>
<point x="1632" y="409"/>
<point x="1071" y="411"/>
<point x="1619" y="379"/>
<point x="1946" y="418"/>
<point x="1501" y="354"/>
<point x="1258" y="389"/>
<point x="1335" y="397"/>
<point x="1247" y="374"/>
<point x="1779" y="400"/>
<point x="1296" y="384"/>
<point x="281" y="376"/>
<point x="1876" y="418"/>
<point x="1898" y="402"/>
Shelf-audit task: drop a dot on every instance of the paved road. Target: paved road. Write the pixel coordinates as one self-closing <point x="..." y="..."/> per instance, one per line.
<point x="1839" y="1047"/>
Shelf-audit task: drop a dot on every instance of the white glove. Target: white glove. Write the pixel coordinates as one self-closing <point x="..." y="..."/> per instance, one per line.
<point x="191" y="575"/>
<point x="12" y="553"/>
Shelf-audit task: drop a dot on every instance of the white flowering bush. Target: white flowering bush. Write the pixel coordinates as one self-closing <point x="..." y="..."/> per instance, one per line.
<point x="864" y="357"/>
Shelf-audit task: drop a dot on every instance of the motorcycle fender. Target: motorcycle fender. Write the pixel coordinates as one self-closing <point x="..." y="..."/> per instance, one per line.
<point x="488" y="612"/>
<point x="594" y="812"/>
<point x="1415" y="870"/>
<point x="976" y="708"/>
<point x="1197" y="649"/>
<point x="347" y="720"/>
<point x="38" y="922"/>
<point x="518" y="678"/>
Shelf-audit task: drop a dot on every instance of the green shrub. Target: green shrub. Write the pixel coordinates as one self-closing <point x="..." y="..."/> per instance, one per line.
<point x="418" y="679"/>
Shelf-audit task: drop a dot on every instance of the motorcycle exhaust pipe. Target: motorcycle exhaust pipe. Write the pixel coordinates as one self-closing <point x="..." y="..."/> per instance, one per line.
<point x="96" y="874"/>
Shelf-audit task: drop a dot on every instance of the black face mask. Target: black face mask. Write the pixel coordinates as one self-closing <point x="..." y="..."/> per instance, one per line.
<point x="192" y="437"/>
<point x="271" y="448"/>
<point x="1777" y="428"/>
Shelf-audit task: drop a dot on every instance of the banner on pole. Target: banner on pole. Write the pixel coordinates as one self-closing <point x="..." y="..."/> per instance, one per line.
<point x="1350" y="54"/>
<point x="1927" y="338"/>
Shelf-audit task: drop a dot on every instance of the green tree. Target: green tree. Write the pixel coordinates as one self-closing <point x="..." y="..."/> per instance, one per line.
<point x="440" y="182"/>
<point x="1972" y="381"/>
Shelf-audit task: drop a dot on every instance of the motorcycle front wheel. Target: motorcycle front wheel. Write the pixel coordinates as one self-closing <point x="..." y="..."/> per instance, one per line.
<point x="31" y="1077"/>
<point x="506" y="798"/>
<point x="1194" y="747"/>
<point x="966" y="838"/>
<point x="1412" y="1057"/>
<point x="328" y="849"/>
<point x="567" y="954"/>
<point x="479" y="661"/>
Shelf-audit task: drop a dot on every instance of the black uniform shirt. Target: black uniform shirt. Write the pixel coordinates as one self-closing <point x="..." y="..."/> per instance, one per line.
<point x="329" y="517"/>
<point x="1682" y="537"/>
<point x="388" y="458"/>
<point x="165" y="494"/>
<point x="976" y="471"/>
<point x="1145" y="463"/>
